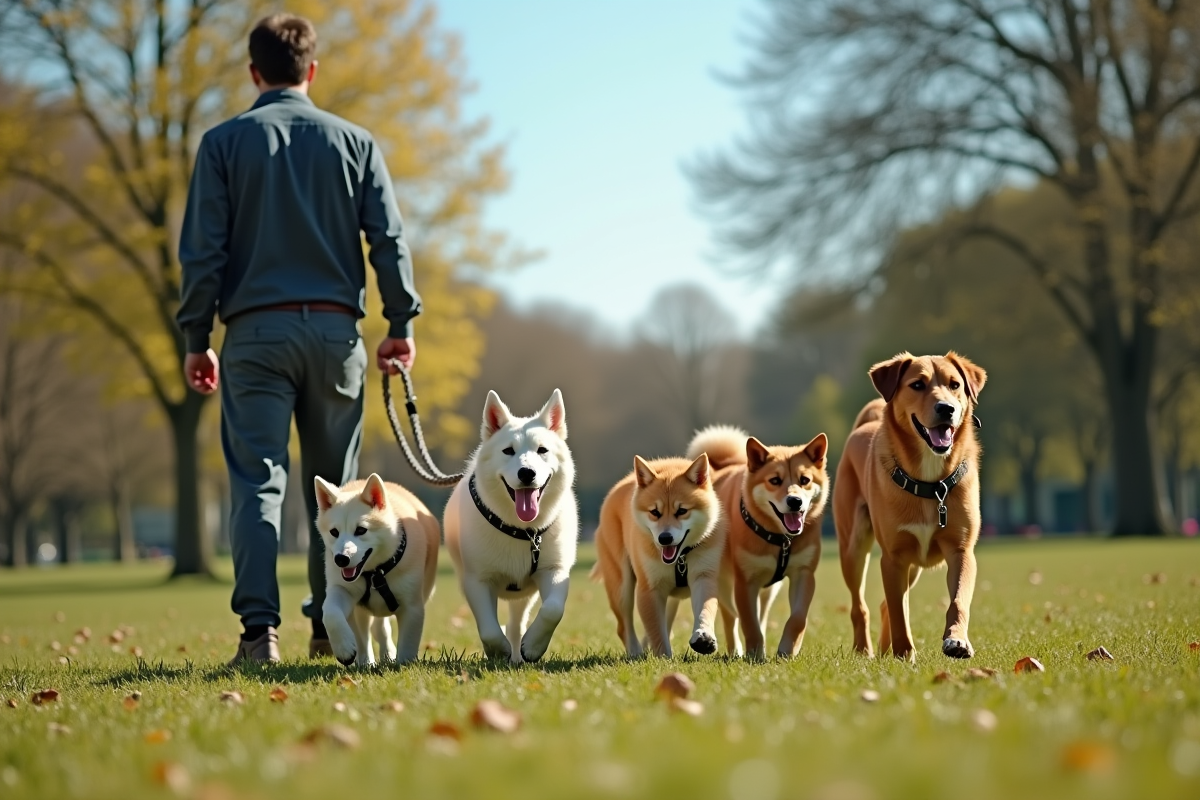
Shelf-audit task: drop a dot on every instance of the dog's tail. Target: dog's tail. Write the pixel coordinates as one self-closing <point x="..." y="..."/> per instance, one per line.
<point x="725" y="445"/>
<point x="871" y="412"/>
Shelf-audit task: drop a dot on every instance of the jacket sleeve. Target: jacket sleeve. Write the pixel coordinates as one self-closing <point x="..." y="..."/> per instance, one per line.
<point x="384" y="231"/>
<point x="203" y="247"/>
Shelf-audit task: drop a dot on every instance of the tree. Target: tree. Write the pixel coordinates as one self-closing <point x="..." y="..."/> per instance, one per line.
<point x="104" y="140"/>
<point x="913" y="106"/>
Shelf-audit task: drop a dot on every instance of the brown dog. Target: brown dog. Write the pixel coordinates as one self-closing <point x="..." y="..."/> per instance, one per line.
<point x="909" y="478"/>
<point x="773" y="498"/>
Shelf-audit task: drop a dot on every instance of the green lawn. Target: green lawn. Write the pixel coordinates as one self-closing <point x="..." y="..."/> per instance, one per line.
<point x="1130" y="728"/>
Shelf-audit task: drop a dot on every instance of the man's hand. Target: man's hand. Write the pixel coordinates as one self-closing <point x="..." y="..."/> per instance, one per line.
<point x="202" y="371"/>
<point x="404" y="350"/>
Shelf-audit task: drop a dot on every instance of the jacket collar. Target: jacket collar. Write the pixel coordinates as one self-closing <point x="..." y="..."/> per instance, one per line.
<point x="281" y="96"/>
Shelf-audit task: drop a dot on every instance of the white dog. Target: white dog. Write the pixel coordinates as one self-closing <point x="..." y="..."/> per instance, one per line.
<point x="512" y="525"/>
<point x="380" y="561"/>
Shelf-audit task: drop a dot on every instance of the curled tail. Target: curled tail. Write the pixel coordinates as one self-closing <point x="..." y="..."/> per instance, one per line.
<point x="724" y="444"/>
<point x="871" y="412"/>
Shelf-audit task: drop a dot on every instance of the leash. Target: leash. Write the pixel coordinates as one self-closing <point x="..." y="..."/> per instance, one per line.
<point x="427" y="471"/>
<point x="930" y="491"/>
<point x="780" y="540"/>
<point x="377" y="578"/>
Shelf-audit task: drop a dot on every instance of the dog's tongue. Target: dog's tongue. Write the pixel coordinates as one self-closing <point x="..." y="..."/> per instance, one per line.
<point x="941" y="435"/>
<point x="527" y="504"/>
<point x="793" y="522"/>
<point x="348" y="573"/>
<point x="668" y="553"/>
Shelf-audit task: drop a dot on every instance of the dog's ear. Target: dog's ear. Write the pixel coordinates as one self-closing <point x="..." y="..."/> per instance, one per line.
<point x="642" y="473"/>
<point x="817" y="449"/>
<point x="974" y="376"/>
<point x="495" y="416"/>
<point x="327" y="493"/>
<point x="374" y="494"/>
<point x="698" y="472"/>
<point x="886" y="375"/>
<point x="554" y="414"/>
<point x="757" y="454"/>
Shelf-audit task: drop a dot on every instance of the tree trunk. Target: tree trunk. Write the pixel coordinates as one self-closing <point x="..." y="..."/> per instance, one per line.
<point x="70" y="537"/>
<point x="1029" y="494"/>
<point x="124" y="543"/>
<point x="1137" y="473"/>
<point x="31" y="540"/>
<point x="192" y="551"/>
<point x="1091" y="497"/>
<point x="14" y="537"/>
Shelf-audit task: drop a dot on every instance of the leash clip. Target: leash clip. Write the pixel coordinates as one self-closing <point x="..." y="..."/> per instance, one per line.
<point x="941" y="499"/>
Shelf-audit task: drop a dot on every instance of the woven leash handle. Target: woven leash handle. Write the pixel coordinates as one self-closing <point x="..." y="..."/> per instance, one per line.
<point x="427" y="471"/>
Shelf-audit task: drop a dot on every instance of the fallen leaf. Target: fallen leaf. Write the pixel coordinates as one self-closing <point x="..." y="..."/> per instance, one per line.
<point x="430" y="646"/>
<point x="447" y="730"/>
<point x="181" y="649"/>
<point x="339" y="707"/>
<point x="980" y="673"/>
<point x="64" y="661"/>
<point x="869" y="696"/>
<point x="135" y="651"/>
<point x="984" y="721"/>
<point x="1155" y="577"/>
<point x="463" y="676"/>
<point x="674" y="685"/>
<point x="1035" y="578"/>
<point x="84" y="633"/>
<point x="56" y="646"/>
<point x="394" y="706"/>
<point x="1028" y="664"/>
<point x="60" y="730"/>
<point x="457" y="622"/>
<point x="1088" y="757"/>
<point x="340" y="735"/>
<point x="12" y="703"/>
<point x="157" y="736"/>
<point x="346" y="682"/>
<point x="44" y="696"/>
<point x="569" y="705"/>
<point x="116" y="637"/>
<point x="1194" y="647"/>
<point x="689" y="707"/>
<point x="60" y="616"/>
<point x="72" y="650"/>
<point x="495" y="716"/>
<point x="1100" y="654"/>
<point x="232" y="697"/>
<point x="131" y="702"/>
<point x="944" y="677"/>
<point x="171" y="775"/>
<point x="278" y="695"/>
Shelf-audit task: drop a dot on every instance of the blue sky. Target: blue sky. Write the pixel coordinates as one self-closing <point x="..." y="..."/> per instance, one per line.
<point x="600" y="103"/>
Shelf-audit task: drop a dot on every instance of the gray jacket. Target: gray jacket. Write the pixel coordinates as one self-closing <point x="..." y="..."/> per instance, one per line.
<point x="278" y="197"/>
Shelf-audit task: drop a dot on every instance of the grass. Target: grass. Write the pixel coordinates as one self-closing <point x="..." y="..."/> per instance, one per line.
<point x="1130" y="728"/>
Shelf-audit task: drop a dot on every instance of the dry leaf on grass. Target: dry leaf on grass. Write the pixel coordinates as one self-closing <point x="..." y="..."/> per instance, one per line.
<point x="689" y="707"/>
<point x="446" y="730"/>
<point x="56" y="646"/>
<point x="569" y="705"/>
<point x="394" y="706"/>
<point x="158" y="736"/>
<point x="116" y="637"/>
<point x="1155" y="577"/>
<point x="44" y="696"/>
<point x="339" y="707"/>
<point x="1194" y="647"/>
<point x="983" y="720"/>
<point x="135" y="651"/>
<point x="278" y="695"/>
<point x="131" y="701"/>
<point x="1028" y="664"/>
<point x="58" y="730"/>
<point x="171" y="775"/>
<point x="340" y="735"/>
<point x="495" y="716"/>
<point x="1088" y="757"/>
<point x="60" y="616"/>
<point x="869" y="696"/>
<point x="346" y="682"/>
<point x="232" y="698"/>
<point x="84" y="633"/>
<point x="944" y="677"/>
<point x="1100" y="654"/>
<point x="674" y="685"/>
<point x="1035" y="578"/>
<point x="12" y="702"/>
<point x="980" y="673"/>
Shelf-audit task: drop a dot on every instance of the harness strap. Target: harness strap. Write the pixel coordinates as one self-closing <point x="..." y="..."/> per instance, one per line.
<point x="930" y="491"/>
<point x="780" y="540"/>
<point x="531" y="535"/>
<point x="377" y="578"/>
<point x="681" y="568"/>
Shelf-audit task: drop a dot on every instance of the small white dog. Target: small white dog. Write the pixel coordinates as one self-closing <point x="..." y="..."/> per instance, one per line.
<point x="380" y="561"/>
<point x="512" y="525"/>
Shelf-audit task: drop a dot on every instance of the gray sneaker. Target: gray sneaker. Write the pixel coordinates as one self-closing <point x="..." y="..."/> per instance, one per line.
<point x="263" y="650"/>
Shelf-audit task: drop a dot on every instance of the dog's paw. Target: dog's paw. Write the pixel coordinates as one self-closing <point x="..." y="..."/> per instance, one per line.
<point x="349" y="660"/>
<point x="704" y="643"/>
<point x="529" y="656"/>
<point x="957" y="648"/>
<point x="499" y="650"/>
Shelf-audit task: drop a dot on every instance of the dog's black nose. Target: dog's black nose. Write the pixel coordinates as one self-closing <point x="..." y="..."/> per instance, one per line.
<point x="664" y="538"/>
<point x="341" y="560"/>
<point x="795" y="503"/>
<point x="944" y="410"/>
<point x="526" y="475"/>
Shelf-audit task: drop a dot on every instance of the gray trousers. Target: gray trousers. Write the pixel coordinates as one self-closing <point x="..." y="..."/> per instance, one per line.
<point x="276" y="364"/>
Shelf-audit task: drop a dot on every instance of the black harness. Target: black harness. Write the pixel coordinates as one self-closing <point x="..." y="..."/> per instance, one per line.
<point x="681" y="568"/>
<point x="930" y="491"/>
<point x="780" y="540"/>
<point x="531" y="535"/>
<point x="377" y="578"/>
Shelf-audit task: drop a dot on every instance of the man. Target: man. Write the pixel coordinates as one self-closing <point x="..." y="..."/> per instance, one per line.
<point x="271" y="243"/>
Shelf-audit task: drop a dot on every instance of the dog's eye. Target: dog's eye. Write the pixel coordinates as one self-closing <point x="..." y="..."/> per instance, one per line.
<point x="333" y="532"/>
<point x="954" y="385"/>
<point x="805" y="480"/>
<point x="681" y="512"/>
<point x="776" y="481"/>
<point x="542" y="451"/>
<point x="508" y="451"/>
<point x="654" y="512"/>
<point x="360" y="530"/>
<point x="918" y="386"/>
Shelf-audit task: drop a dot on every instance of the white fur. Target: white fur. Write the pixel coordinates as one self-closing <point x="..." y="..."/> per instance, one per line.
<point x="488" y="561"/>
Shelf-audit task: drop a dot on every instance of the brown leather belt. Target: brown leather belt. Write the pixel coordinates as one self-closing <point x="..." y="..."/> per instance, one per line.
<point x="304" y="308"/>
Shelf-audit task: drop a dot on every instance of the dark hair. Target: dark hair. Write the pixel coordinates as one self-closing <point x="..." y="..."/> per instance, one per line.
<point x="282" y="47"/>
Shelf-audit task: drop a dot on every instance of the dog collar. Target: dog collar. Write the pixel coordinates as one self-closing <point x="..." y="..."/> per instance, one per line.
<point x="377" y="578"/>
<point x="930" y="491"/>
<point x="780" y="540"/>
<point x="531" y="535"/>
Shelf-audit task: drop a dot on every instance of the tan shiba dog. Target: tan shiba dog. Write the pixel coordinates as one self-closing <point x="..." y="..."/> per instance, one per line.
<point x="660" y="539"/>
<point x="909" y="479"/>
<point x="380" y="561"/>
<point x="773" y="499"/>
